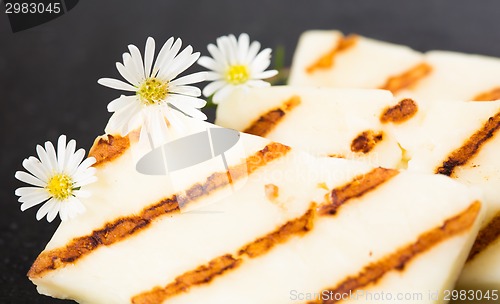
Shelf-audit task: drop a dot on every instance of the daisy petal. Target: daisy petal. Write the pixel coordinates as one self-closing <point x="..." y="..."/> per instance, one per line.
<point x="228" y="49"/>
<point x="45" y="208"/>
<point x="258" y="67"/>
<point x="83" y="173"/>
<point x="188" y="79"/>
<point x="261" y="61"/>
<point x="197" y="114"/>
<point x="243" y="46"/>
<point x="23" y="191"/>
<point x="222" y="94"/>
<point x="266" y="74"/>
<point x="128" y="63"/>
<point x="70" y="209"/>
<point x="61" y="151"/>
<point x="85" y="180"/>
<point x="137" y="59"/>
<point x="213" y="76"/>
<point x="165" y="51"/>
<point x="34" y="198"/>
<point x="210" y="64"/>
<point x="121" y="102"/>
<point x="253" y="51"/>
<point x="29" y="179"/>
<point x="233" y="49"/>
<point x="121" y="121"/>
<point x="158" y="128"/>
<point x="188" y="101"/>
<point x="180" y="63"/>
<point x="217" y="55"/>
<point x="75" y="161"/>
<point x="148" y="56"/>
<point x="116" y="84"/>
<point x="51" y="153"/>
<point x="70" y="150"/>
<point x="84" y="176"/>
<point x="128" y="74"/>
<point x="51" y="215"/>
<point x="63" y="212"/>
<point x="34" y="201"/>
<point x="186" y="90"/>
<point x="258" y="83"/>
<point x="213" y="87"/>
<point x="35" y="167"/>
<point x="169" y="56"/>
<point x="87" y="163"/>
<point x="183" y="104"/>
<point x="134" y="123"/>
<point x="173" y="118"/>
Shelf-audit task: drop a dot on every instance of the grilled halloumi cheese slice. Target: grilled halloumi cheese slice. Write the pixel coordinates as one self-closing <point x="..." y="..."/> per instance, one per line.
<point x="343" y="123"/>
<point x="330" y="59"/>
<point x="460" y="140"/>
<point x="281" y="224"/>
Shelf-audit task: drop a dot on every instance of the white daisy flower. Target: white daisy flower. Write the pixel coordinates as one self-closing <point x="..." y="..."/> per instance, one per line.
<point x="155" y="90"/>
<point x="58" y="180"/>
<point x="235" y="64"/>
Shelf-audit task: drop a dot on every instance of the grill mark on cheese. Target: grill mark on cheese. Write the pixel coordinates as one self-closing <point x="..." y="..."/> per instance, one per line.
<point x="326" y="61"/>
<point x="491" y="95"/>
<point x="264" y="244"/>
<point x="471" y="147"/>
<point x="401" y="112"/>
<point x="202" y="275"/>
<point x="407" y="78"/>
<point x="397" y="261"/>
<point x="221" y="265"/>
<point x="337" y="156"/>
<point x="268" y="121"/>
<point x="124" y="227"/>
<point x="358" y="187"/>
<point x="106" y="149"/>
<point x="366" y="141"/>
<point x="486" y="236"/>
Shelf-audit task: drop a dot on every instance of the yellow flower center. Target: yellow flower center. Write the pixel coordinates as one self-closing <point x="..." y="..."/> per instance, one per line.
<point x="152" y="91"/>
<point x="237" y="74"/>
<point x="60" y="186"/>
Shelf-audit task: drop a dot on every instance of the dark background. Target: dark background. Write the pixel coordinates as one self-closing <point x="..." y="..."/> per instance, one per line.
<point x="48" y="74"/>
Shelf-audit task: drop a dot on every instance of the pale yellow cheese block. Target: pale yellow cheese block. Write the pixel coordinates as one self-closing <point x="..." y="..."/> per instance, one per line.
<point x="367" y="63"/>
<point x="327" y="58"/>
